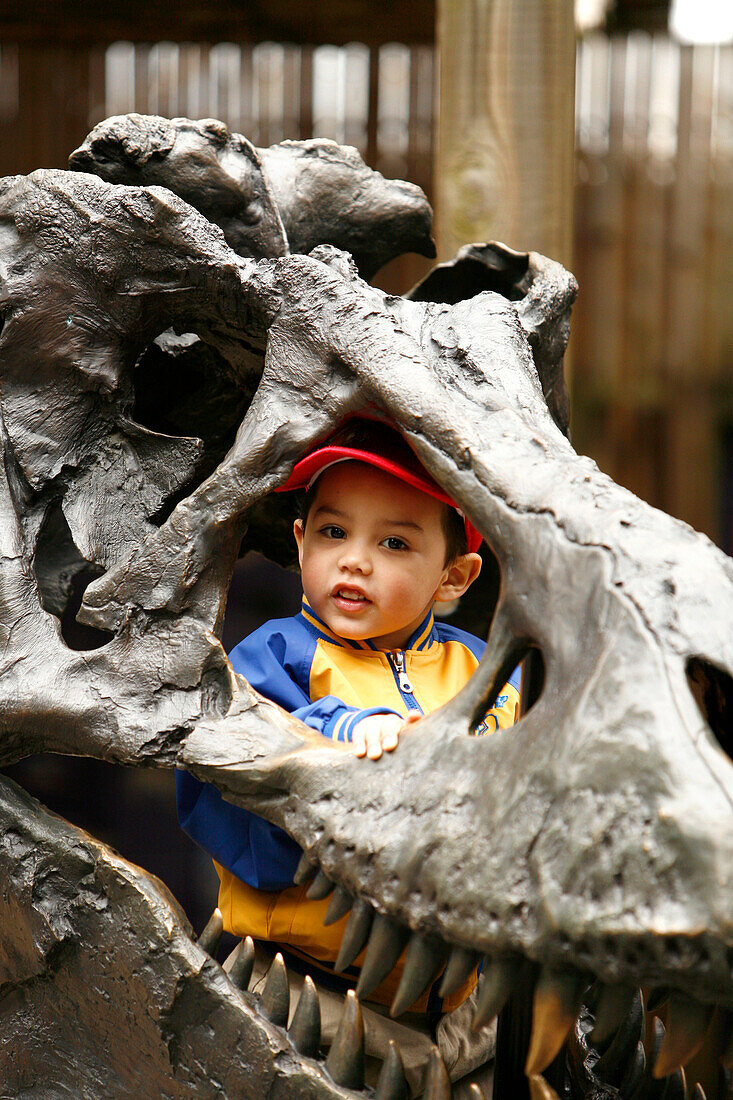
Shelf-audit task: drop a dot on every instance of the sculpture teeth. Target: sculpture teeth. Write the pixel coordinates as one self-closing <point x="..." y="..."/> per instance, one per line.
<point x="699" y="1093"/>
<point x="240" y="963"/>
<point x="475" y="1093"/>
<point x="425" y="956"/>
<point x="437" y="1081"/>
<point x="495" y="984"/>
<point x="392" y="1083"/>
<point x="614" y="1006"/>
<point x="614" y="1061"/>
<point x="539" y="1089"/>
<point x="557" y="1000"/>
<point x="386" y="942"/>
<point x="305" y="1029"/>
<point x="345" y="1061"/>
<point x="355" y="934"/>
<point x="687" y="1025"/>
<point x="634" y="1072"/>
<point x="461" y="963"/>
<point x="275" y="1000"/>
<point x="305" y="871"/>
<point x="339" y="906"/>
<point x="211" y="936"/>
<point x="320" y="888"/>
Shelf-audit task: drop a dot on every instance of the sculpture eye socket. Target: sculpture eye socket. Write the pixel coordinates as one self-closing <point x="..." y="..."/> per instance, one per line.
<point x="713" y="692"/>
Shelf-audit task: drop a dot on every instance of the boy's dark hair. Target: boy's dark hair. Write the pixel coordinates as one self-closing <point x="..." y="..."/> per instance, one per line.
<point x="452" y="523"/>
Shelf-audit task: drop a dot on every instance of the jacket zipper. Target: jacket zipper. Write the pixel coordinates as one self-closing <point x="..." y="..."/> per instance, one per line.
<point x="396" y="659"/>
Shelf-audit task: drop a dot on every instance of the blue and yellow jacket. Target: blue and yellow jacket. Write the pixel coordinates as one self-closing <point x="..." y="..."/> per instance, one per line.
<point x="330" y="683"/>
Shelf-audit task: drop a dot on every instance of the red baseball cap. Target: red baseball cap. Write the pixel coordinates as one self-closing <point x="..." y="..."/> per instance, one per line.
<point x="378" y="445"/>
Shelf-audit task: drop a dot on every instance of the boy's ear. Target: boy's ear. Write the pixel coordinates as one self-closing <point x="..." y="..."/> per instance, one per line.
<point x="458" y="577"/>
<point x="298" y="532"/>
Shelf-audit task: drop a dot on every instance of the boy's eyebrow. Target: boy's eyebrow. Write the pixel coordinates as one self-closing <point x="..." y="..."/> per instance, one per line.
<point x="331" y="511"/>
<point x="387" y="522"/>
<point x="403" y="523"/>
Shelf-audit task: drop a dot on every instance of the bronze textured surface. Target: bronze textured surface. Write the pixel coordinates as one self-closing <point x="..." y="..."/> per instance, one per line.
<point x="583" y="853"/>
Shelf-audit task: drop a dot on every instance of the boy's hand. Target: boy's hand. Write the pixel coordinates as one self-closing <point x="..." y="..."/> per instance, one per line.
<point x="379" y="733"/>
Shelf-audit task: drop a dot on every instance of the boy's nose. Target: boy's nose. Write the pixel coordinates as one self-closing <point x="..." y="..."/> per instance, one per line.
<point x="355" y="560"/>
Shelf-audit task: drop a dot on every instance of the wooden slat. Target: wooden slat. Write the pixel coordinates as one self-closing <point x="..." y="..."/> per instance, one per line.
<point x="305" y="119"/>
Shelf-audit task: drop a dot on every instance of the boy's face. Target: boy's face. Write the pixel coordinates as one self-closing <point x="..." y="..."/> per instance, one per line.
<point x="372" y="555"/>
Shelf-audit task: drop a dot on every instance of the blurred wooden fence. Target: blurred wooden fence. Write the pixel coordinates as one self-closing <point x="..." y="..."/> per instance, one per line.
<point x="653" y="329"/>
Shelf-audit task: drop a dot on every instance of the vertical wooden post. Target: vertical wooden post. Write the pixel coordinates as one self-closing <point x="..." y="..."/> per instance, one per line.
<point x="504" y="163"/>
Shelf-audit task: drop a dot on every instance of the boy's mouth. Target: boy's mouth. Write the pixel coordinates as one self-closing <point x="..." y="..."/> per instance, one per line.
<point x="349" y="599"/>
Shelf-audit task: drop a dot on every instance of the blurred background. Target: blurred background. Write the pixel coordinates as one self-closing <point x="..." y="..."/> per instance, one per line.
<point x="599" y="132"/>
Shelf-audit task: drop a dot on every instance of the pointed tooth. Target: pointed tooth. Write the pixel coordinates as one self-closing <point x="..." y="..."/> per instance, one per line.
<point x="540" y="1090"/>
<point x="461" y="964"/>
<point x="494" y="986"/>
<point x="615" y="1060"/>
<point x="386" y="942"/>
<point x="634" y="1072"/>
<point x="392" y="1083"/>
<point x="425" y="956"/>
<point x="320" y="888"/>
<point x="355" y="934"/>
<point x="676" y="1086"/>
<point x="338" y="906"/>
<point x="305" y="1029"/>
<point x="211" y="935"/>
<point x="345" y="1061"/>
<point x="475" y="1092"/>
<point x="240" y="963"/>
<point x="437" y="1081"/>
<point x="275" y="1001"/>
<point x="614" y="1005"/>
<point x="699" y="1093"/>
<point x="655" y="1042"/>
<point x="657" y="998"/>
<point x="557" y="998"/>
<point x="687" y="1024"/>
<point x="305" y="871"/>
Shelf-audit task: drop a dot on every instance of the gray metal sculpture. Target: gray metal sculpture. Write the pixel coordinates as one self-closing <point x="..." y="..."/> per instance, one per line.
<point x="591" y="842"/>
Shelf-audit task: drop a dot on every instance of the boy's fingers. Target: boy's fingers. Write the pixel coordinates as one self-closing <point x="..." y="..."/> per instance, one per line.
<point x="412" y="718"/>
<point x="390" y="738"/>
<point x="358" y="742"/>
<point x="374" y="743"/>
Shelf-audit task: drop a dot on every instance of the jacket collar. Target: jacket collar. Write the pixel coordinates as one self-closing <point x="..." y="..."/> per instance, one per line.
<point x="423" y="638"/>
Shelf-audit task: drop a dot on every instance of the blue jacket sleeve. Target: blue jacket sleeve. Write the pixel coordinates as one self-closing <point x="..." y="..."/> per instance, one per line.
<point x="257" y="852"/>
<point x="276" y="661"/>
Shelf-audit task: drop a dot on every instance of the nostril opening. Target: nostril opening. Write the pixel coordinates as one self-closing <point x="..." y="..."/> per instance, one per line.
<point x="523" y="670"/>
<point x="62" y="575"/>
<point x="533" y="678"/>
<point x="713" y="692"/>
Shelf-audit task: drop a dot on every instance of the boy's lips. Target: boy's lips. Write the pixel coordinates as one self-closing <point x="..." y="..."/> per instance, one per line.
<point x="348" y="598"/>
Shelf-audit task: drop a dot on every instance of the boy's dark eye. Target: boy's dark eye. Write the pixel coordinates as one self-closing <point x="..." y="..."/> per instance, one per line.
<point x="333" y="531"/>
<point x="392" y="542"/>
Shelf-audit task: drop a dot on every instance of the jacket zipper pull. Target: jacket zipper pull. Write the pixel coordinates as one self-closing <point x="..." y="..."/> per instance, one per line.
<point x="398" y="659"/>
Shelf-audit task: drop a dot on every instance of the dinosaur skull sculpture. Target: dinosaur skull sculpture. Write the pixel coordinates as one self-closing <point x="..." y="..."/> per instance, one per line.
<point x="593" y="839"/>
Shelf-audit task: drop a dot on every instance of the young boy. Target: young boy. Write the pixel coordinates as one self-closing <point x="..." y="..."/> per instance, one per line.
<point x="379" y="543"/>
